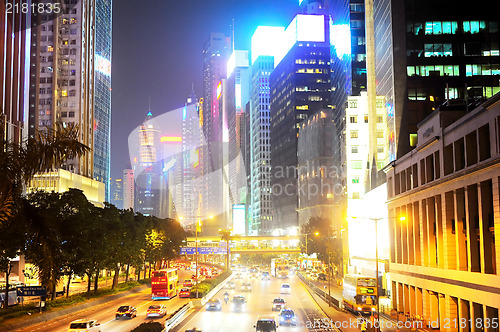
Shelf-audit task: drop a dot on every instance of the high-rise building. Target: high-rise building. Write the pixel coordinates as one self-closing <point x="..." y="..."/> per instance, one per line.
<point x="315" y="169"/>
<point x="238" y="90"/>
<point x="263" y="53"/>
<point x="216" y="52"/>
<point x="300" y="86"/>
<point x="146" y="170"/>
<point x="116" y="193"/>
<point x="429" y="54"/>
<point x="62" y="90"/>
<point x="62" y="76"/>
<point x="444" y="256"/>
<point x="128" y="189"/>
<point x="102" y="93"/>
<point x="14" y="73"/>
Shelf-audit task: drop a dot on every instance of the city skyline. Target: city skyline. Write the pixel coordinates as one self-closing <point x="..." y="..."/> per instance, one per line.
<point x="162" y="80"/>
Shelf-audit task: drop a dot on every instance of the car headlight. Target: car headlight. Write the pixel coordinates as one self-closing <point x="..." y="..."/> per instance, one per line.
<point x="359" y="308"/>
<point x="373" y="309"/>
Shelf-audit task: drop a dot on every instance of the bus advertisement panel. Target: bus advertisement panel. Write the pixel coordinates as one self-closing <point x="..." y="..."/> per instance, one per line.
<point x="164" y="284"/>
<point x="279" y="268"/>
<point x="360" y="293"/>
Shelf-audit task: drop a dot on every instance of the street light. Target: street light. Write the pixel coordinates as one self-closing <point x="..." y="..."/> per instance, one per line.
<point x="196" y="247"/>
<point x="315" y="233"/>
<point x="402" y="218"/>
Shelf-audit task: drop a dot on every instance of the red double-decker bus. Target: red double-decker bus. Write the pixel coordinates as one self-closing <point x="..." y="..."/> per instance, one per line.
<point x="164" y="284"/>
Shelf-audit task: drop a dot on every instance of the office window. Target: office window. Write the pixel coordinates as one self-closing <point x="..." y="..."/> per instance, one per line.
<point x="356" y="164"/>
<point x="366" y="118"/>
<point x="474" y="27"/>
<point x="354" y="134"/>
<point x="353" y="119"/>
<point x="354" y="149"/>
<point x="355" y="179"/>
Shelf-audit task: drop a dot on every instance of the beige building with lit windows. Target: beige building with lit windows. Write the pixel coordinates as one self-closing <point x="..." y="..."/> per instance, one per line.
<point x="444" y="260"/>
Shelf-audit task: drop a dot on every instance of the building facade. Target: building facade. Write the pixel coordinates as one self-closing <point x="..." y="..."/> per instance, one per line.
<point x="429" y="54"/>
<point x="300" y="85"/>
<point x="102" y="93"/>
<point x="128" y="189"/>
<point x="444" y="257"/>
<point x="14" y="74"/>
<point x="62" y="77"/>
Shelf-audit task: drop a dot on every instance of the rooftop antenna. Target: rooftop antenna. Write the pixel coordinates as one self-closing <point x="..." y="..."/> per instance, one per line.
<point x="232" y="36"/>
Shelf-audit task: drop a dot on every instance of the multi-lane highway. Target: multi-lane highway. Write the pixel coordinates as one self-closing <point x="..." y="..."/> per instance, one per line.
<point x="258" y="303"/>
<point x="105" y="313"/>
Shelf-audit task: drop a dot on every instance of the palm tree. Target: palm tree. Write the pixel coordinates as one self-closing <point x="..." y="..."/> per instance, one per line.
<point x="225" y="235"/>
<point x="44" y="152"/>
<point x="19" y="162"/>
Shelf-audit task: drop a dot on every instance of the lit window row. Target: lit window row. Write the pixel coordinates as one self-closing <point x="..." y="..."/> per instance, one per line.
<point x="443" y="70"/>
<point x="484" y="69"/>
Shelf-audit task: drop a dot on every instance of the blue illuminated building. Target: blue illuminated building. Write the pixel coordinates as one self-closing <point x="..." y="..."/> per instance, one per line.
<point x="102" y="94"/>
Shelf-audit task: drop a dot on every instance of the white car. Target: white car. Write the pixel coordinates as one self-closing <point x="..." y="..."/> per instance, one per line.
<point x="82" y="325"/>
<point x="156" y="311"/>
<point x="286" y="289"/>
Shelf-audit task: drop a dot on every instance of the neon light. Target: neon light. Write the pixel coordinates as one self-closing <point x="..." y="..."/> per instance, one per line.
<point x="239" y="58"/>
<point x="170" y="139"/>
<point x="340" y="38"/>
<point x="196" y="158"/>
<point x="169" y="165"/>
<point x="300" y="2"/>
<point x="184" y="113"/>
<point x="102" y="65"/>
<point x="267" y="41"/>
<point x="219" y="90"/>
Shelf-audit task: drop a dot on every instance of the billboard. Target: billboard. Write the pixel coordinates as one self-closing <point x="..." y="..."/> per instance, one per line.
<point x="239" y="213"/>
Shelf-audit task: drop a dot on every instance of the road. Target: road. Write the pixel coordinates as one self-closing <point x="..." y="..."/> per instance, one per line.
<point x="105" y="313"/>
<point x="258" y="303"/>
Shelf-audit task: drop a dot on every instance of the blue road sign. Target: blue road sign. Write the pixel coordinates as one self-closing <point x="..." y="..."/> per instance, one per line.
<point x="202" y="250"/>
<point x="32" y="291"/>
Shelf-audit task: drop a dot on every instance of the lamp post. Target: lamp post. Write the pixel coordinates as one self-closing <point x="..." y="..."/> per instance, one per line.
<point x="402" y="218"/>
<point x="196" y="248"/>
<point x="315" y="233"/>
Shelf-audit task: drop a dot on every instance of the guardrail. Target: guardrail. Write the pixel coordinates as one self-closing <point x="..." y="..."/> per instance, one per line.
<point x="321" y="293"/>
<point x="177" y="316"/>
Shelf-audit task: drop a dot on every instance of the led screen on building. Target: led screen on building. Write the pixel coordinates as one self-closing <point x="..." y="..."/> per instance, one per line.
<point x="239" y="219"/>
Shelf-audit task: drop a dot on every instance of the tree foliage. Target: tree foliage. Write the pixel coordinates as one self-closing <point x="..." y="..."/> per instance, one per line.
<point x="327" y="241"/>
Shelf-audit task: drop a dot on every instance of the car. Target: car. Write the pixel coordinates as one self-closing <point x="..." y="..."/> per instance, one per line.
<point x="265" y="276"/>
<point x="126" y="311"/>
<point x="287" y="317"/>
<point x="238" y="303"/>
<point x="266" y="324"/>
<point x="246" y="287"/>
<point x="214" y="304"/>
<point x="188" y="283"/>
<point x="81" y="325"/>
<point x="278" y="304"/>
<point x="156" y="311"/>
<point x="230" y="285"/>
<point x="285" y="289"/>
<point x="321" y="276"/>
<point x="238" y="276"/>
<point x="185" y="292"/>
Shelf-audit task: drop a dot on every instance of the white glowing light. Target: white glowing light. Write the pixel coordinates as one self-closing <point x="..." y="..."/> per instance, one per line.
<point x="267" y="41"/>
<point x="340" y="37"/>
<point x="102" y="65"/>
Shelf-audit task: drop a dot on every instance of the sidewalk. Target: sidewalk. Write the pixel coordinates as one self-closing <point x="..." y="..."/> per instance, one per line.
<point x="345" y="320"/>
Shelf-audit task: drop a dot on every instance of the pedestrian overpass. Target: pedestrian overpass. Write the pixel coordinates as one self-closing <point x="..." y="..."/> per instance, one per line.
<point x="246" y="244"/>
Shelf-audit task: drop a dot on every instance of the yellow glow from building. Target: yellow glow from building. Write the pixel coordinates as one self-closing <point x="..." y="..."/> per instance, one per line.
<point x="171" y="139"/>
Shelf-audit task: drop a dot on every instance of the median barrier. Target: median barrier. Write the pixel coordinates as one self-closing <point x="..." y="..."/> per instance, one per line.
<point x="177" y="316"/>
<point x="321" y="293"/>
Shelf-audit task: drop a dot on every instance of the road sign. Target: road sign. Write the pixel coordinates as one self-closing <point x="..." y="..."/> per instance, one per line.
<point x="203" y="250"/>
<point x="32" y="291"/>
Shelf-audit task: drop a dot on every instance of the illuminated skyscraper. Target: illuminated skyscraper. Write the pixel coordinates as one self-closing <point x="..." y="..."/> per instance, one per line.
<point x="300" y="86"/>
<point x="62" y="82"/>
<point x="116" y="193"/>
<point x="238" y="89"/>
<point x="62" y="76"/>
<point x="265" y="48"/>
<point x="102" y="93"/>
<point x="128" y="189"/>
<point x="146" y="172"/>
<point x="216" y="52"/>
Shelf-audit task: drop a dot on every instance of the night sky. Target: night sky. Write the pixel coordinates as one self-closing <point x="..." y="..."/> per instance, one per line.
<point x="157" y="54"/>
